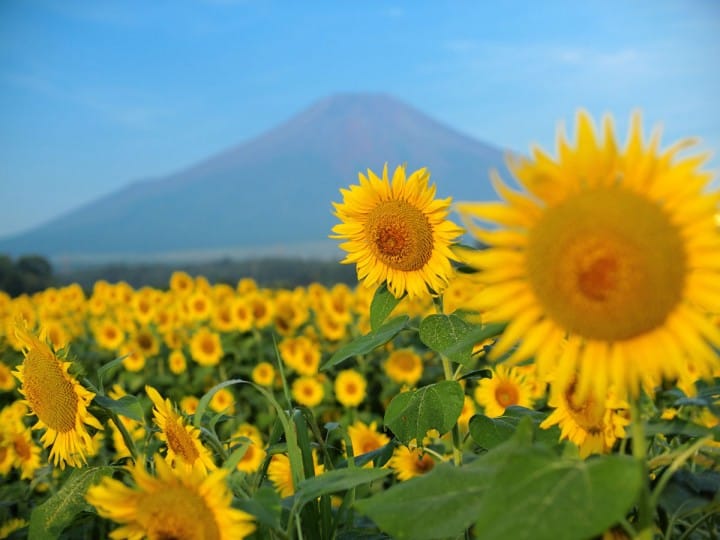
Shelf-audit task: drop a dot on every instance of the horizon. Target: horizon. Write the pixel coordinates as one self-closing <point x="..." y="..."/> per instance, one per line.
<point x="96" y="97"/>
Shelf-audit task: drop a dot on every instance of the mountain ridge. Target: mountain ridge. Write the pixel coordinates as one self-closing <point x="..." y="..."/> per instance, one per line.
<point x="274" y="189"/>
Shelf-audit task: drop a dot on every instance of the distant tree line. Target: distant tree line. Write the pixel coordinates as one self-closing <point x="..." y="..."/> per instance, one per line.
<point x="26" y="274"/>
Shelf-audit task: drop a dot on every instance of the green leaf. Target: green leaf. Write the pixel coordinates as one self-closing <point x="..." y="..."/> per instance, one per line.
<point x="103" y="370"/>
<point x="337" y="480"/>
<point x="128" y="406"/>
<point x="382" y="304"/>
<point x="442" y="333"/>
<point x="514" y="491"/>
<point x="676" y="426"/>
<point x="476" y="335"/>
<point x="265" y="506"/>
<point x="365" y="344"/>
<point x="491" y="432"/>
<point x="437" y="406"/>
<point x="205" y="400"/>
<point x="49" y="519"/>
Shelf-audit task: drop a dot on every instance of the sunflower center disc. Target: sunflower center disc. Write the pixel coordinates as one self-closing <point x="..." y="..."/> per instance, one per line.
<point x="177" y="513"/>
<point x="180" y="442"/>
<point x="607" y="264"/>
<point x="50" y="394"/>
<point x="400" y="235"/>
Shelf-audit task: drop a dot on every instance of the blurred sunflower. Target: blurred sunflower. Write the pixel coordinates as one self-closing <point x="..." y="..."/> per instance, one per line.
<point x="181" y="283"/>
<point x="366" y="438"/>
<point x="280" y="473"/>
<point x="7" y="382"/>
<point x="617" y="250"/>
<point x="108" y="334"/>
<point x="184" y="449"/>
<point x="307" y="391"/>
<point x="223" y="401"/>
<point x="592" y="424"/>
<point x="57" y="400"/>
<point x="408" y="463"/>
<point x="350" y="388"/>
<point x="404" y="366"/>
<point x="205" y="347"/>
<point x="397" y="232"/>
<point x="192" y="505"/>
<point x="507" y="387"/>
<point x="263" y="374"/>
<point x="177" y="362"/>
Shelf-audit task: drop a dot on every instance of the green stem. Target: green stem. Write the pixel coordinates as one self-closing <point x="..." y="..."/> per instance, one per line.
<point x="639" y="450"/>
<point x="678" y="462"/>
<point x="127" y="439"/>
<point x="457" y="453"/>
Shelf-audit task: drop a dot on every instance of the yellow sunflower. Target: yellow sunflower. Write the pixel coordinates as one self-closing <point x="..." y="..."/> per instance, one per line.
<point x="307" y="391"/>
<point x="177" y="361"/>
<point x="191" y="505"/>
<point x="205" y="347"/>
<point x="404" y="366"/>
<point x="507" y="387"/>
<point x="263" y="374"/>
<point x="350" y="388"/>
<point x="615" y="250"/>
<point x="365" y="438"/>
<point x="58" y="401"/>
<point x="408" y="463"/>
<point x="592" y="424"/>
<point x="280" y="473"/>
<point x="397" y="232"/>
<point x="7" y="382"/>
<point x="184" y="449"/>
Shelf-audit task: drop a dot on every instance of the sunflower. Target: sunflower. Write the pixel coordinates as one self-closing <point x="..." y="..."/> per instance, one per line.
<point x="255" y="453"/>
<point x="241" y="313"/>
<point x="205" y="347"/>
<point x="7" y="382"/>
<point x="12" y="525"/>
<point x="263" y="374"/>
<point x="397" y="232"/>
<point x="593" y="425"/>
<point x="191" y="505"/>
<point x="408" y="463"/>
<point x="507" y="387"/>
<point x="57" y="400"/>
<point x="404" y="366"/>
<point x="365" y="438"/>
<point x="350" y="388"/>
<point x="184" y="449"/>
<point x="177" y="361"/>
<point x="615" y="250"/>
<point x="181" y="283"/>
<point x="109" y="335"/>
<point x="280" y="473"/>
<point x="307" y="391"/>
<point x="223" y="401"/>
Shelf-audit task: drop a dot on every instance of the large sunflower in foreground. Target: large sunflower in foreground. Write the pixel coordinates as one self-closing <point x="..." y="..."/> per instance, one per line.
<point x="57" y="400"/>
<point x="397" y="232"/>
<point x="174" y="504"/>
<point x="606" y="270"/>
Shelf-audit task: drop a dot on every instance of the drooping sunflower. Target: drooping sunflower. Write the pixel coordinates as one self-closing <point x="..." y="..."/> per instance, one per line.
<point x="397" y="232"/>
<point x="592" y="424"/>
<point x="614" y="250"/>
<point x="57" y="400"/>
<point x="191" y="505"/>
<point x="184" y="448"/>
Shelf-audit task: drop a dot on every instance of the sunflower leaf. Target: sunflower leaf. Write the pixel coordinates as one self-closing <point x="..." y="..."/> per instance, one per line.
<point x="441" y="332"/>
<point x="48" y="519"/>
<point x="412" y="414"/>
<point x="491" y="432"/>
<point x="365" y="344"/>
<point x="557" y="498"/>
<point x="337" y="480"/>
<point x="128" y="406"/>
<point x="382" y="304"/>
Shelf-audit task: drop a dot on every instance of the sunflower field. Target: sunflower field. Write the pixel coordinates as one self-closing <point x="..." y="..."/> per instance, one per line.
<point x="556" y="378"/>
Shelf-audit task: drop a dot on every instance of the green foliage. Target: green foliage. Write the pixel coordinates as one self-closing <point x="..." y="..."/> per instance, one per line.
<point x="514" y="491"/>
<point x="367" y="343"/>
<point x="491" y="432"/>
<point x="382" y="304"/>
<point x="412" y="414"/>
<point x="26" y="275"/>
<point x="50" y="518"/>
<point x="443" y="333"/>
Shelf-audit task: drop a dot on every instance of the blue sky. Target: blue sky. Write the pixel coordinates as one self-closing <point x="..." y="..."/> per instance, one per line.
<point x="95" y="94"/>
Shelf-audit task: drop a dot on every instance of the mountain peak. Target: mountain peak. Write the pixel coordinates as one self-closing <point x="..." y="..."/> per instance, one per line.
<point x="276" y="189"/>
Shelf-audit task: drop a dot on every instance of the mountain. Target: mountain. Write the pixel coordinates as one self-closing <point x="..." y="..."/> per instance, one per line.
<point x="275" y="190"/>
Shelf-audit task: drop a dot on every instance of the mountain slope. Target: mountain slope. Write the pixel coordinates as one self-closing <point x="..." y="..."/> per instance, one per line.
<point x="275" y="189"/>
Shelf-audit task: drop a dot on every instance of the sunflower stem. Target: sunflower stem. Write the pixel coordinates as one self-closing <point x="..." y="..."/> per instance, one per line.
<point x="457" y="454"/>
<point x="127" y="439"/>
<point x="639" y="450"/>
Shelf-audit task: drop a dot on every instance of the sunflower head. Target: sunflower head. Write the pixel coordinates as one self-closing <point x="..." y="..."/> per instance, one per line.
<point x="397" y="232"/>
<point x="615" y="250"/>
